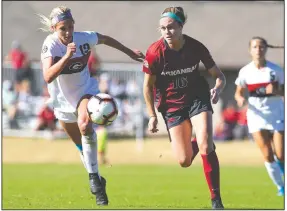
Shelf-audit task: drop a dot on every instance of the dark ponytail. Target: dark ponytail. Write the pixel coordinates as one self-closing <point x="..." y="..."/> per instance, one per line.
<point x="265" y="42"/>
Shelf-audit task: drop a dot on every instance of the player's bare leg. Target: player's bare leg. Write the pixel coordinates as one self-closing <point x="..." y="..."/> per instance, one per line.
<point x="194" y="147"/>
<point x="73" y="132"/>
<point x="102" y="144"/>
<point x="89" y="144"/>
<point x="202" y="124"/>
<point x="180" y="137"/>
<point x="263" y="140"/>
<point x="278" y="142"/>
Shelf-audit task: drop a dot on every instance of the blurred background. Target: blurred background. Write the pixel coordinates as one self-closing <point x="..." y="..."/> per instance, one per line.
<point x="24" y="90"/>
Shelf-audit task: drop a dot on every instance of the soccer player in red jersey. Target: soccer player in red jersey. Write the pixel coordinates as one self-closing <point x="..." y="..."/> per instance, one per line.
<point x="174" y="85"/>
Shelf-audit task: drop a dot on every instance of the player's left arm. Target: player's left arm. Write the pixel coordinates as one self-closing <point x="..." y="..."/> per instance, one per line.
<point x="276" y="87"/>
<point x="219" y="76"/>
<point x="281" y="82"/>
<point x="109" y="41"/>
<point x="212" y="68"/>
<point x="280" y="90"/>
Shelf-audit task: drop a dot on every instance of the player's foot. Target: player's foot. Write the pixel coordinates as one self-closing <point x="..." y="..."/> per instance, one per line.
<point x="281" y="191"/>
<point x="98" y="188"/>
<point x="217" y="204"/>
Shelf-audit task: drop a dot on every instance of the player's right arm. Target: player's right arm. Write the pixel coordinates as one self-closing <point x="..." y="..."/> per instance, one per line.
<point x="51" y="70"/>
<point x="148" y="85"/>
<point x="239" y="95"/>
<point x="240" y="88"/>
<point x="149" y="81"/>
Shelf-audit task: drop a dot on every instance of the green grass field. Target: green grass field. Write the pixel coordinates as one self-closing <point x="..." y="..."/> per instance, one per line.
<point x="65" y="186"/>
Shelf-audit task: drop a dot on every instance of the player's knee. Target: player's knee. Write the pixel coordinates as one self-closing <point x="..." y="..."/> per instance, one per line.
<point x="184" y="162"/>
<point x="205" y="144"/>
<point x="84" y="125"/>
<point x="205" y="148"/>
<point x="90" y="138"/>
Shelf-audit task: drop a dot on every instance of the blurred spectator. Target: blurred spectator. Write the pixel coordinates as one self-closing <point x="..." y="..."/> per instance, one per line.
<point x="117" y="89"/>
<point x="104" y="81"/>
<point x="25" y="100"/>
<point x="241" y="130"/>
<point x="219" y="132"/>
<point x="46" y="118"/>
<point x="230" y="116"/>
<point x="10" y="104"/>
<point x="19" y="62"/>
<point x="134" y="117"/>
<point x="132" y="89"/>
<point x="93" y="63"/>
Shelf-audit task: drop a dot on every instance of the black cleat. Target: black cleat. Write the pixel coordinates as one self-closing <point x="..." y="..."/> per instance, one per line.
<point x="217" y="204"/>
<point x="98" y="188"/>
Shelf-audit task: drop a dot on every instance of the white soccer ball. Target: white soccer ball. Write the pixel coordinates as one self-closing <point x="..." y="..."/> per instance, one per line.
<point x="102" y="109"/>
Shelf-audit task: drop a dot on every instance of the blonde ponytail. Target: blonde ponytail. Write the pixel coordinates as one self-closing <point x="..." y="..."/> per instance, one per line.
<point x="46" y="22"/>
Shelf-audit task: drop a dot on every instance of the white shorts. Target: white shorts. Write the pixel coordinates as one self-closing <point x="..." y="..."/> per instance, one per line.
<point x="65" y="116"/>
<point x="69" y="117"/>
<point x="273" y="121"/>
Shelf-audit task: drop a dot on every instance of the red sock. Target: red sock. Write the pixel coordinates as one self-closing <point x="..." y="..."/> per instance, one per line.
<point x="211" y="170"/>
<point x="195" y="148"/>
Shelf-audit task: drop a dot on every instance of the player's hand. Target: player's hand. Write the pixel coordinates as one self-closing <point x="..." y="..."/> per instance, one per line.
<point x="240" y="101"/>
<point x="152" y="124"/>
<point x="271" y="88"/>
<point x="137" y="55"/>
<point x="71" y="49"/>
<point x="214" y="95"/>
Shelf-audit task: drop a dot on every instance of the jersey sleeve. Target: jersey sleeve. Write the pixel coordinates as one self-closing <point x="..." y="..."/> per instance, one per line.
<point x="92" y="37"/>
<point x="240" y="80"/>
<point x="206" y="57"/>
<point x="49" y="49"/>
<point x="150" y="63"/>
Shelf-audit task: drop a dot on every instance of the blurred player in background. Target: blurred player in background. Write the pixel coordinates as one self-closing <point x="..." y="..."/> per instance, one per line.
<point x="19" y="62"/>
<point x="264" y="81"/>
<point x="64" y="57"/>
<point x="94" y="63"/>
<point x="102" y="135"/>
<point x="182" y="95"/>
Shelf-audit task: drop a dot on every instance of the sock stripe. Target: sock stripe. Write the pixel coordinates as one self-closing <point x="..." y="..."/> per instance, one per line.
<point x="80" y="147"/>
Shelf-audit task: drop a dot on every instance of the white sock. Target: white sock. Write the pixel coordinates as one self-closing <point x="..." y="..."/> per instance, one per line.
<point x="89" y="144"/>
<point x="275" y="174"/>
<point x="83" y="160"/>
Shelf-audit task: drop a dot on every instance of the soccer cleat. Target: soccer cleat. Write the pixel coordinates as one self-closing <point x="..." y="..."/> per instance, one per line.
<point x="98" y="188"/>
<point x="217" y="204"/>
<point x="281" y="191"/>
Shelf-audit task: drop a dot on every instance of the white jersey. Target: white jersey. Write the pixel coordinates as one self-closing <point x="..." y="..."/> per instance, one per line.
<point x="265" y="112"/>
<point x="74" y="80"/>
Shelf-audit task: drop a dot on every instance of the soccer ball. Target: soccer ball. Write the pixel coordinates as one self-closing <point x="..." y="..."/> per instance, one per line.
<point x="102" y="109"/>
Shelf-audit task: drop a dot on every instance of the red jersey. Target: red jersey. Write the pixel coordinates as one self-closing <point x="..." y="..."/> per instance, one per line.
<point x="230" y="115"/>
<point x="92" y="60"/>
<point x="47" y="114"/>
<point x="17" y="58"/>
<point x="178" y="81"/>
<point x="242" y="118"/>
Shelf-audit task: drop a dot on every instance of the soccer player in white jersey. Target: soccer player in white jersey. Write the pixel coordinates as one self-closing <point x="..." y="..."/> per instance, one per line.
<point x="64" y="57"/>
<point x="264" y="81"/>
